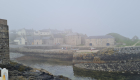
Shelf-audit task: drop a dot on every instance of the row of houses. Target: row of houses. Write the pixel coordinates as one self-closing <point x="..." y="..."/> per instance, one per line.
<point x="66" y="37"/>
<point x="39" y="40"/>
<point x="94" y="41"/>
<point x="74" y="39"/>
<point x="44" y="32"/>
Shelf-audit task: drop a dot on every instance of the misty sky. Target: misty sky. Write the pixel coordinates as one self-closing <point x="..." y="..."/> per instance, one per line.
<point x="91" y="17"/>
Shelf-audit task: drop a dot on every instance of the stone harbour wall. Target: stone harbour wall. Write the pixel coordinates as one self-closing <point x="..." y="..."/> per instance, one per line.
<point x="123" y="60"/>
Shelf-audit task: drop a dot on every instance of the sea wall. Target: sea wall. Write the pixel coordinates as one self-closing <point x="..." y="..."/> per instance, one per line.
<point x="60" y="47"/>
<point x="108" y="55"/>
<point x="112" y="60"/>
<point x="84" y="57"/>
<point x="128" y="50"/>
<point x="60" y="54"/>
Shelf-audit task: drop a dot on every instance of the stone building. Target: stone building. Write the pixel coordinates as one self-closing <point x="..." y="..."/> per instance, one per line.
<point x="58" y="39"/>
<point x="73" y="39"/>
<point x="20" y="41"/>
<point x="100" y="41"/>
<point x="68" y="31"/>
<point x="44" y="32"/>
<point x="135" y="38"/>
<point x="83" y="39"/>
<point x="27" y="32"/>
<point x="37" y="40"/>
<point x="47" y="40"/>
<point x="29" y="40"/>
<point x="4" y="42"/>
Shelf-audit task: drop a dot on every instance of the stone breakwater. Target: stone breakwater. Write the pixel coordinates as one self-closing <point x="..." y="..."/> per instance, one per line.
<point x="131" y="67"/>
<point x="125" y="59"/>
<point x="127" y="50"/>
<point x="60" y="54"/>
<point x="109" y="55"/>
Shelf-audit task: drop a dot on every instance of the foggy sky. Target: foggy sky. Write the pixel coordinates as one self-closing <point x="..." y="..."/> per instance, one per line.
<point x="91" y="17"/>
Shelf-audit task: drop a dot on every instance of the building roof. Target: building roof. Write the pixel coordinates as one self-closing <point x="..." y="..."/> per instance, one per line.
<point x="27" y="30"/>
<point x="18" y="38"/>
<point x="30" y="38"/>
<point x="57" y="36"/>
<point x="37" y="37"/>
<point x="71" y="34"/>
<point x="100" y="37"/>
<point x="45" y="30"/>
<point x="47" y="38"/>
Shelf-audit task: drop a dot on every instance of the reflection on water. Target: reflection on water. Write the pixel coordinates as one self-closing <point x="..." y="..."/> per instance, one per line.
<point x="55" y="69"/>
<point x="65" y="68"/>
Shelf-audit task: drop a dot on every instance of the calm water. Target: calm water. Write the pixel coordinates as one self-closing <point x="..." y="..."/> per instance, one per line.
<point x="57" y="67"/>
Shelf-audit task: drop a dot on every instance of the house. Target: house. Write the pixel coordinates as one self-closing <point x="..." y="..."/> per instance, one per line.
<point x="68" y="31"/>
<point x="135" y="38"/>
<point x="58" y="39"/>
<point x="29" y="40"/>
<point x="83" y="39"/>
<point x="44" y="32"/>
<point x="36" y="33"/>
<point x="100" y="41"/>
<point x="55" y="31"/>
<point x="26" y="32"/>
<point x="73" y="39"/>
<point x="20" y="41"/>
<point x="37" y="40"/>
<point x="47" y="40"/>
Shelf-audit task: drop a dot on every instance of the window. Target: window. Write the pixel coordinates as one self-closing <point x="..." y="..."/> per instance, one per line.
<point x="107" y="44"/>
<point x="90" y="44"/>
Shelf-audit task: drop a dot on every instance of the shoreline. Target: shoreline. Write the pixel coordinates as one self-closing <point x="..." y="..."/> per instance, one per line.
<point x="18" y="70"/>
<point x="22" y="72"/>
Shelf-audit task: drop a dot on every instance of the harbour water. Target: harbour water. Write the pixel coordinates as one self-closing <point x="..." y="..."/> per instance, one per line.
<point x="65" y="68"/>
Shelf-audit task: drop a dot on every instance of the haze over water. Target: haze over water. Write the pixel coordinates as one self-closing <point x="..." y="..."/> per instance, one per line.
<point x="88" y="17"/>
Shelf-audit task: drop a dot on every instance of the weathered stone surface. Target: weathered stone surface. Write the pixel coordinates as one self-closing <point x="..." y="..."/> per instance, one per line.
<point x="4" y="42"/>
<point x="112" y="67"/>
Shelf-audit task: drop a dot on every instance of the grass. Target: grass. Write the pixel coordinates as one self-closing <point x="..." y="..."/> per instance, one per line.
<point x="138" y="44"/>
<point x="123" y="40"/>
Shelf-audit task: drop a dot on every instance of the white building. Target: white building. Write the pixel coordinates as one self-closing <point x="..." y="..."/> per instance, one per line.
<point x="21" y="32"/>
<point x="25" y="32"/>
<point x="45" y="32"/>
<point x="20" y="41"/>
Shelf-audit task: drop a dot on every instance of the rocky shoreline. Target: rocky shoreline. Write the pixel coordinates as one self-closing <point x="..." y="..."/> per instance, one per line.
<point x="20" y="72"/>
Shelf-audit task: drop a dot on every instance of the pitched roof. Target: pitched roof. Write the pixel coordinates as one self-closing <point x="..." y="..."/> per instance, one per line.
<point x="30" y="38"/>
<point x="18" y="38"/>
<point x="71" y="34"/>
<point x="100" y="37"/>
<point x="37" y="38"/>
<point x="57" y="36"/>
<point x="46" y="38"/>
<point x="29" y="30"/>
<point x="44" y="30"/>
